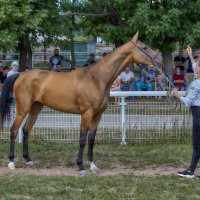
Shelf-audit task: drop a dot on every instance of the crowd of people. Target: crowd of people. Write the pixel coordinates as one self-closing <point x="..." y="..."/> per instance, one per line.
<point x="152" y="78"/>
<point x="5" y="71"/>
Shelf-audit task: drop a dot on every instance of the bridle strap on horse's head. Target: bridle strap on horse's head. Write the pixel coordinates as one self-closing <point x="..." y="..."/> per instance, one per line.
<point x="152" y="58"/>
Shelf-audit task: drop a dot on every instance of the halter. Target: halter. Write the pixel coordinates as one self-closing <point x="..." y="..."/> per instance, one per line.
<point x="169" y="92"/>
<point x="151" y="57"/>
<point x="154" y="60"/>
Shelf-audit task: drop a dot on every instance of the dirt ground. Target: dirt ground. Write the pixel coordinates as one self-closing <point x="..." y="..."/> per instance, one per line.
<point x="118" y="170"/>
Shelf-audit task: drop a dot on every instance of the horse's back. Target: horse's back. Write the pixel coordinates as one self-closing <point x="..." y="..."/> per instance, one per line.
<point x="64" y="91"/>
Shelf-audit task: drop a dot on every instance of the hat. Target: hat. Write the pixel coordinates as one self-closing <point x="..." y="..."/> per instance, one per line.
<point x="15" y="62"/>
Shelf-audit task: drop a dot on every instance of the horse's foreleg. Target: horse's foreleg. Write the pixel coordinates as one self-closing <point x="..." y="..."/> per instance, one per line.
<point x="91" y="140"/>
<point x="85" y="122"/>
<point x="82" y="142"/>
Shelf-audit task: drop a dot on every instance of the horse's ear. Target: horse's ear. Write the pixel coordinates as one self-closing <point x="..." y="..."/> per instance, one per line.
<point x="135" y="37"/>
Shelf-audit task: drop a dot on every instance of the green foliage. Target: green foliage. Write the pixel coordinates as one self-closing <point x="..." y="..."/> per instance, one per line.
<point x="162" y="24"/>
<point x="28" y="17"/>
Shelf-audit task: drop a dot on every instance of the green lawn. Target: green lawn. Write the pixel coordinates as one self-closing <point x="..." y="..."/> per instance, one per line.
<point x="134" y="156"/>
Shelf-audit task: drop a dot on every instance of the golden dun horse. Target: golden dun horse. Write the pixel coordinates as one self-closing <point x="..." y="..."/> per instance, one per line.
<point x="83" y="91"/>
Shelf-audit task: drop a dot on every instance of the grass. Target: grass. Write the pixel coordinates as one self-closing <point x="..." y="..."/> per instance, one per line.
<point x="135" y="156"/>
<point x="109" y="188"/>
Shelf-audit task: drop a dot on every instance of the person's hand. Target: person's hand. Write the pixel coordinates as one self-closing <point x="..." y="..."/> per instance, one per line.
<point x="189" y="50"/>
<point x="175" y="91"/>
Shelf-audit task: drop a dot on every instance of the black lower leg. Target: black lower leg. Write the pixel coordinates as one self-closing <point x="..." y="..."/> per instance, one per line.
<point x="12" y="145"/>
<point x="82" y="143"/>
<point x="91" y="139"/>
<point x="25" y="146"/>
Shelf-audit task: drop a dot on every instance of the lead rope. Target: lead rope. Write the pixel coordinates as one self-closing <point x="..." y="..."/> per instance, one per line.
<point x="169" y="92"/>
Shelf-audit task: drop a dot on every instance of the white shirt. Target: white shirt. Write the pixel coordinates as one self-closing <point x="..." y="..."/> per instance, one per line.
<point x="193" y="97"/>
<point x="11" y="72"/>
<point x="194" y="65"/>
<point x="126" y="76"/>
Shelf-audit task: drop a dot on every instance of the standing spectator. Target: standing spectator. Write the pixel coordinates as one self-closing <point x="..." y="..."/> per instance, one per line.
<point x="14" y="69"/>
<point x="180" y="61"/>
<point x="90" y="60"/>
<point x="55" y="62"/>
<point x="126" y="77"/>
<point x="189" y="63"/>
<point x="3" y="76"/>
<point x="179" y="79"/>
<point x="116" y="87"/>
<point x="1" y="66"/>
<point x="192" y="100"/>
<point x="147" y="79"/>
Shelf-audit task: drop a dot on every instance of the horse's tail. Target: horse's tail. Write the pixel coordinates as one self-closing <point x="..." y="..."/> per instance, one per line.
<point x="6" y="97"/>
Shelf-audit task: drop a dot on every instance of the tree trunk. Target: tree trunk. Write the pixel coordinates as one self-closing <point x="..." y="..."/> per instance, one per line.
<point x="22" y="55"/>
<point x="168" y="63"/>
<point x="29" y="59"/>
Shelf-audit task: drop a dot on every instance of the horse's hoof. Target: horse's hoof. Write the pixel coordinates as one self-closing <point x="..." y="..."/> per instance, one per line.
<point x="30" y="163"/>
<point x="11" y="165"/>
<point x="95" y="170"/>
<point x="83" y="173"/>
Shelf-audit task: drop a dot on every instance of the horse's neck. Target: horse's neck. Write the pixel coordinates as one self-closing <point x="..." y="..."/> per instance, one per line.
<point x="108" y="68"/>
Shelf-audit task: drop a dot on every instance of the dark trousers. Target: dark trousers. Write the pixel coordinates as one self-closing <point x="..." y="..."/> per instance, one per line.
<point x="195" y="137"/>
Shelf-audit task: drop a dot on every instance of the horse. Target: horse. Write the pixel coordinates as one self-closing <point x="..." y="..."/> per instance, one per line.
<point x="83" y="91"/>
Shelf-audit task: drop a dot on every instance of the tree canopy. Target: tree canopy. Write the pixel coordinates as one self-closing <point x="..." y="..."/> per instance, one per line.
<point x="161" y="23"/>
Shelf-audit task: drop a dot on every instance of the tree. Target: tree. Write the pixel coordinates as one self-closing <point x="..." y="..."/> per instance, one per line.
<point x="163" y="24"/>
<point x="23" y="21"/>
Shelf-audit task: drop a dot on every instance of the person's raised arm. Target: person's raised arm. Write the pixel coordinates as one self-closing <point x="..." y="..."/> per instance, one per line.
<point x="189" y="51"/>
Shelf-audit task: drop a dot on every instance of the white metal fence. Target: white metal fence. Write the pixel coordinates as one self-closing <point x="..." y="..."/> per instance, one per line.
<point x="131" y="121"/>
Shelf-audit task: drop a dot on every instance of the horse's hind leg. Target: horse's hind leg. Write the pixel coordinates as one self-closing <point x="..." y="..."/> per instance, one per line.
<point x="14" y="131"/>
<point x="32" y="116"/>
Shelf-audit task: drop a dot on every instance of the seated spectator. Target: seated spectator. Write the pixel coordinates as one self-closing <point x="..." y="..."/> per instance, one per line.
<point x="90" y="60"/>
<point x="126" y="78"/>
<point x="189" y="63"/>
<point x="147" y="79"/>
<point x="3" y="76"/>
<point x="161" y="80"/>
<point x="116" y="87"/>
<point x="179" y="80"/>
<point x="180" y="61"/>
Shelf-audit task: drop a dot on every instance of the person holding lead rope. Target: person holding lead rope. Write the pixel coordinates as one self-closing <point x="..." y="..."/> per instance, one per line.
<point x="192" y="100"/>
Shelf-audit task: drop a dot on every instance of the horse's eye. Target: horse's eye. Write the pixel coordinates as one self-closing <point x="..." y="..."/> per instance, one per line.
<point x="145" y="48"/>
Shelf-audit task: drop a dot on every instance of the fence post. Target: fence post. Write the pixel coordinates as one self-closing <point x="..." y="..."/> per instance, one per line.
<point x="123" y="118"/>
<point x="20" y="134"/>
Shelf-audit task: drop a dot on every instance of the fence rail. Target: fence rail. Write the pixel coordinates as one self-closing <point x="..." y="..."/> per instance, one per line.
<point x="128" y="121"/>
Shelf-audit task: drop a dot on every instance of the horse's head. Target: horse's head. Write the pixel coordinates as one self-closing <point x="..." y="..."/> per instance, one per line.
<point x="143" y="54"/>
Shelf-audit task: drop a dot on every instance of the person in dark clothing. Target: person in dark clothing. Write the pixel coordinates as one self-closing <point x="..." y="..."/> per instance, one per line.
<point x="193" y="101"/>
<point x="55" y="62"/>
<point x="180" y="61"/>
<point x="91" y="60"/>
<point x="3" y="74"/>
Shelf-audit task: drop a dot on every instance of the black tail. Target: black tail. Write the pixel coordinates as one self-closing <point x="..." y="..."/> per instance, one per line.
<point x="6" y="97"/>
